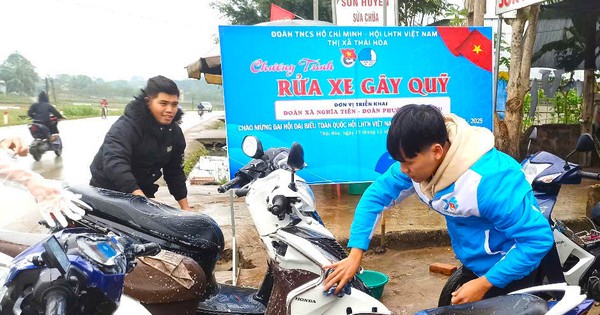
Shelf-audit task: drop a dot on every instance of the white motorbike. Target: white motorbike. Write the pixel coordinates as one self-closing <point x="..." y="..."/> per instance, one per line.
<point x="297" y="243"/>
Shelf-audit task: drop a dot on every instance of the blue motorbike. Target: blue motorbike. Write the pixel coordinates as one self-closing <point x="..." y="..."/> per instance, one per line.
<point x="74" y="271"/>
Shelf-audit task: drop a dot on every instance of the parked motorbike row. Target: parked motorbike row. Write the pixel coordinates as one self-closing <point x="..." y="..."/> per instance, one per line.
<point x="78" y="270"/>
<point x="577" y="252"/>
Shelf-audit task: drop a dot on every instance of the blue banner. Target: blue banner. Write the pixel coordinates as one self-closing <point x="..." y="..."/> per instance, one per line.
<point x="335" y="89"/>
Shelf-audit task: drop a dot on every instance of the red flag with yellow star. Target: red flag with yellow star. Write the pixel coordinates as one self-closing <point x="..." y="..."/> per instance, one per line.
<point x="453" y="36"/>
<point x="472" y="45"/>
<point x="478" y="49"/>
<point x="349" y="53"/>
<point x="279" y="13"/>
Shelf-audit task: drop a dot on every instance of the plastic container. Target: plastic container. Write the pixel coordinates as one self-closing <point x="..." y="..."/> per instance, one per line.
<point x="358" y="189"/>
<point x="375" y="281"/>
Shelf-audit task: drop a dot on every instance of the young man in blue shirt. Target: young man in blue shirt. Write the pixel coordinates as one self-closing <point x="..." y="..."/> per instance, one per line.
<point x="493" y="219"/>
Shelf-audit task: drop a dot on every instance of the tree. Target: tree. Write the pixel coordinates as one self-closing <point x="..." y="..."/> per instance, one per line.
<point x="476" y="12"/>
<point x="575" y="48"/>
<point x="249" y="12"/>
<point x="413" y="12"/>
<point x="508" y="131"/>
<point x="19" y="75"/>
<point x="456" y="15"/>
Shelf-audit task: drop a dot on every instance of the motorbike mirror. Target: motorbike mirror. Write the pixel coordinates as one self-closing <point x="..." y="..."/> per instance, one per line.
<point x="532" y="137"/>
<point x="585" y="143"/>
<point x="54" y="255"/>
<point x="252" y="147"/>
<point x="296" y="157"/>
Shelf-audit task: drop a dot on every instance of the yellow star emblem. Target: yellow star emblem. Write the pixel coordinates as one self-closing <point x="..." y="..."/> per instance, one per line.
<point x="477" y="49"/>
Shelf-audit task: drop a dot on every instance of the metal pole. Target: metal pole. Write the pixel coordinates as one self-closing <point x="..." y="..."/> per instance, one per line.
<point x="233" y="242"/>
<point x="396" y="12"/>
<point x="316" y="10"/>
<point x="385" y="12"/>
<point x="334" y="12"/>
<point x="497" y="65"/>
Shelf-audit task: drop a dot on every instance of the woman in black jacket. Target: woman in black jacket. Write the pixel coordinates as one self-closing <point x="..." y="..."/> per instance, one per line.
<point x="143" y="144"/>
<point x="42" y="111"/>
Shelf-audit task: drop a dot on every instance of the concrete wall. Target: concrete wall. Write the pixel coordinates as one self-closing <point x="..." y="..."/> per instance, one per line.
<point x="559" y="139"/>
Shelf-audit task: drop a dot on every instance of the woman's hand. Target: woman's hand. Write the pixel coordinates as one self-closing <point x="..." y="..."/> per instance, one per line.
<point x="14" y="144"/>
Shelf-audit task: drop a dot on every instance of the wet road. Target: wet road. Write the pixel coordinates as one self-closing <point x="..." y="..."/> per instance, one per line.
<point x="81" y="140"/>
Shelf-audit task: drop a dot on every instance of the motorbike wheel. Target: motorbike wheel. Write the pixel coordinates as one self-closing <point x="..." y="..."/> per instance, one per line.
<point x="58" y="152"/>
<point x="35" y="153"/>
<point x="451" y="285"/>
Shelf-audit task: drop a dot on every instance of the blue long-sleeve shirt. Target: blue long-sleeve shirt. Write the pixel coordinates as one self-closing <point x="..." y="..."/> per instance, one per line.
<point x="493" y="219"/>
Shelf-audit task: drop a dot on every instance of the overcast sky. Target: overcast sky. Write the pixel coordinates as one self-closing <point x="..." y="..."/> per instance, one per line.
<point x="109" y="39"/>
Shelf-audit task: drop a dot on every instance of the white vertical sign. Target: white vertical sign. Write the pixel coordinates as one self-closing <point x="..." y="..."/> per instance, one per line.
<point x="503" y="6"/>
<point x="365" y="12"/>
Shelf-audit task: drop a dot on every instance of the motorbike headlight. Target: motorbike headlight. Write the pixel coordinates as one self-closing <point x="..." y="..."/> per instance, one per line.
<point x="548" y="178"/>
<point x="532" y="170"/>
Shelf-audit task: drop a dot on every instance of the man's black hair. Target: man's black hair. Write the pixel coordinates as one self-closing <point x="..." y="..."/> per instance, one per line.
<point x="160" y="84"/>
<point x="413" y="129"/>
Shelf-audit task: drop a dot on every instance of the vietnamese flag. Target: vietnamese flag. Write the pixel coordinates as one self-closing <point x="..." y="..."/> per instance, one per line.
<point x="279" y="13"/>
<point x="453" y="36"/>
<point x="478" y="49"/>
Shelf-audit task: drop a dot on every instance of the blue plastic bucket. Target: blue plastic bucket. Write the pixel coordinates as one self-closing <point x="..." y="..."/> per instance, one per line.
<point x="375" y="281"/>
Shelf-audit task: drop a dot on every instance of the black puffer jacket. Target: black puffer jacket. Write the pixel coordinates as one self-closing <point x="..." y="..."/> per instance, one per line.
<point x="41" y="112"/>
<point x="137" y="150"/>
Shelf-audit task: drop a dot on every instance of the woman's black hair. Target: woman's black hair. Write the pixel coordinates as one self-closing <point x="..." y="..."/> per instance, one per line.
<point x="413" y="129"/>
<point x="43" y="97"/>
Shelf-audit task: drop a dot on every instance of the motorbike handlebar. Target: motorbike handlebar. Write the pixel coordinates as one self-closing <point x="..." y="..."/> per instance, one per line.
<point x="242" y="192"/>
<point x="279" y="207"/>
<point x="225" y="187"/>
<point x="589" y="175"/>
<point x="56" y="302"/>
<point x="148" y="249"/>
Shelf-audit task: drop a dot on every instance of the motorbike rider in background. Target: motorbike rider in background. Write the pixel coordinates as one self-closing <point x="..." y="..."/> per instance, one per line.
<point x="104" y="107"/>
<point x="41" y="112"/>
<point x="496" y="228"/>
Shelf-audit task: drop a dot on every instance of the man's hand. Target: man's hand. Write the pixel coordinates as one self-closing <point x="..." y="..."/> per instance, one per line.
<point x="471" y="291"/>
<point x="183" y="204"/>
<point x="138" y="192"/>
<point x="343" y="270"/>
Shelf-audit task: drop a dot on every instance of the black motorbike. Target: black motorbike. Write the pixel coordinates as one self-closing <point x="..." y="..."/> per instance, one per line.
<point x="43" y="140"/>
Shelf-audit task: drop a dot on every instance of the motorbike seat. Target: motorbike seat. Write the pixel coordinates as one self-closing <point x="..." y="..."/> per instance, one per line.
<point x="501" y="305"/>
<point x="142" y="214"/>
<point x="151" y="286"/>
<point x="39" y="130"/>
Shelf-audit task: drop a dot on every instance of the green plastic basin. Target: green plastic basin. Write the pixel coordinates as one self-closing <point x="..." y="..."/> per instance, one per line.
<point x="358" y="188"/>
<point x="375" y="281"/>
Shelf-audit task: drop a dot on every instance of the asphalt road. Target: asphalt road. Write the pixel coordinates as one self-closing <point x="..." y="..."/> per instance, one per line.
<point x="81" y="140"/>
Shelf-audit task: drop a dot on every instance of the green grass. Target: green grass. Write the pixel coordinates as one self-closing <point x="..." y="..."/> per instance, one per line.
<point x="192" y="159"/>
<point x="17" y="114"/>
